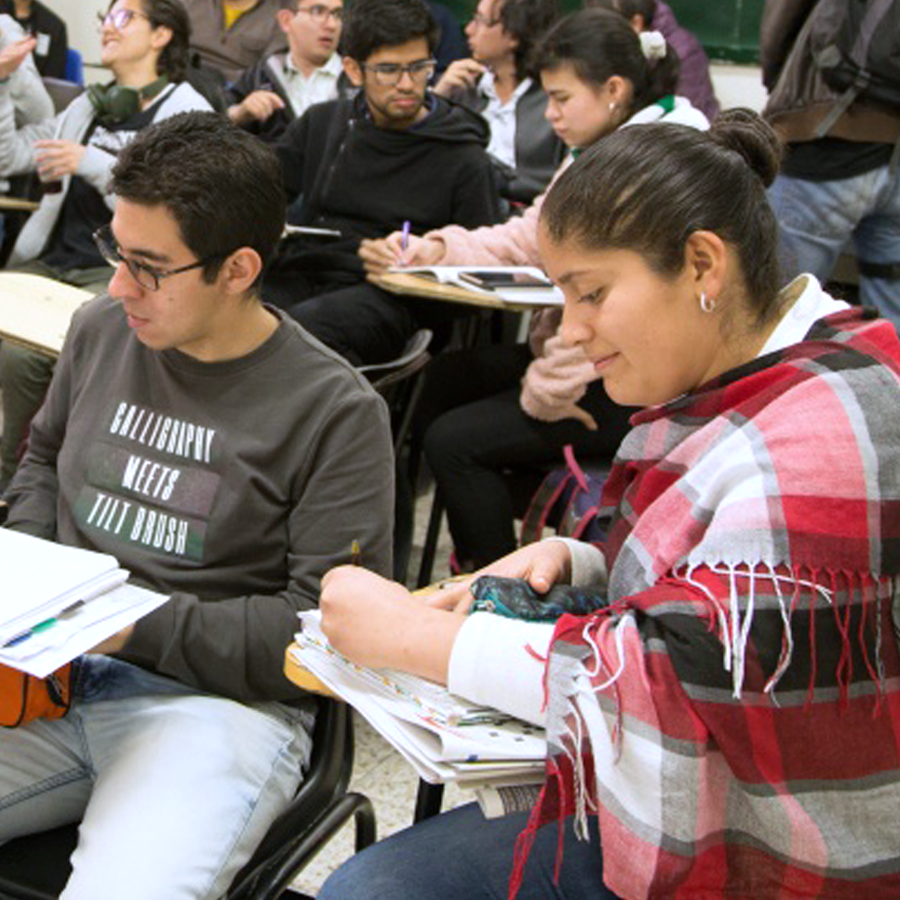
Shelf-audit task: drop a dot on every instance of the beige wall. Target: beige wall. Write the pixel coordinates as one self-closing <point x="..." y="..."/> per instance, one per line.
<point x="81" y="18"/>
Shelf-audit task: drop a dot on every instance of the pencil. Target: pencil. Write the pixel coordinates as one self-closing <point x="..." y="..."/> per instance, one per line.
<point x="355" y="554"/>
<point x="404" y="235"/>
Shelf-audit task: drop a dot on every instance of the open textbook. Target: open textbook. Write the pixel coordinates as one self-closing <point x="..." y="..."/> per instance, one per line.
<point x="36" y="311"/>
<point x="60" y="601"/>
<point x="515" y="284"/>
<point x="443" y="737"/>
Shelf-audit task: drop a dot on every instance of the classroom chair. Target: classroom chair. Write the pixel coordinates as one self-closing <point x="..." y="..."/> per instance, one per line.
<point x="37" y="867"/>
<point x="400" y="382"/>
<point x="74" y="66"/>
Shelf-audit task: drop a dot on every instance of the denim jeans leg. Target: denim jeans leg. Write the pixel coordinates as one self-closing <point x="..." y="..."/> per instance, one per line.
<point x="186" y="787"/>
<point x="460" y="854"/>
<point x="45" y="776"/>
<point x="877" y="240"/>
<point x="816" y="219"/>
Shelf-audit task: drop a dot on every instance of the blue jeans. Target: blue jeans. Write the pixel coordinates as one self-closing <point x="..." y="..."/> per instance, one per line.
<point x="460" y="854"/>
<point x="174" y="788"/>
<point x="818" y="218"/>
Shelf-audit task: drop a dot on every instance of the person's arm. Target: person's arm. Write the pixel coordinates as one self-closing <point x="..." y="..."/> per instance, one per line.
<point x="29" y="96"/>
<point x="235" y="647"/>
<point x="17" y="145"/>
<point x="476" y="200"/>
<point x="781" y="23"/>
<point x="291" y="151"/>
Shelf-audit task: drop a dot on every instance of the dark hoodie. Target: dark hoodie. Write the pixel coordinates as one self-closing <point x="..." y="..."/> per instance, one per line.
<point x="365" y="181"/>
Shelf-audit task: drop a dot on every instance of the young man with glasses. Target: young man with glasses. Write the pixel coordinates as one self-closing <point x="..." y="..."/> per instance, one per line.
<point x="229" y="36"/>
<point x="225" y="457"/>
<point x="496" y="80"/>
<point x="364" y="166"/>
<point x="144" y="44"/>
<point x="276" y="90"/>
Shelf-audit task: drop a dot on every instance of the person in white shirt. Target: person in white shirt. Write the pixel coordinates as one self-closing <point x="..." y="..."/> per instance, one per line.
<point x="278" y="89"/>
<point x="495" y="80"/>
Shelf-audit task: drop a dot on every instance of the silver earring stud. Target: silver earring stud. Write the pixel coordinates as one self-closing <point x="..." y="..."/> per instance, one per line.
<point x="707" y="304"/>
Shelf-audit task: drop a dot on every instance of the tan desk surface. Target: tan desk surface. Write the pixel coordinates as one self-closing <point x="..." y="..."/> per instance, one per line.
<point x="18" y="203"/>
<point x="416" y="286"/>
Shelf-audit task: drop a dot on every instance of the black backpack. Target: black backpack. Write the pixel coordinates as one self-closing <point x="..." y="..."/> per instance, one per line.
<point x="856" y="46"/>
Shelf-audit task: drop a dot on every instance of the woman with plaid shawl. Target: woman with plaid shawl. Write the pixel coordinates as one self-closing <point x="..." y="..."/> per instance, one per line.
<point x="727" y="723"/>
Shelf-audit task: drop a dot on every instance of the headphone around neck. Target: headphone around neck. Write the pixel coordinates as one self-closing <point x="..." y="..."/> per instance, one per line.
<point x="115" y="104"/>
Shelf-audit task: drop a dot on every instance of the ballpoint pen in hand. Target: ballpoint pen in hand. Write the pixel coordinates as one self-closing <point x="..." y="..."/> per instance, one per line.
<point x="404" y="237"/>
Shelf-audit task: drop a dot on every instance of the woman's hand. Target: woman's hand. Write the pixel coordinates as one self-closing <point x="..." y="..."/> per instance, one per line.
<point x="378" y="623"/>
<point x="12" y="56"/>
<point x="542" y="564"/>
<point x="55" y="159"/>
<point x="379" y="255"/>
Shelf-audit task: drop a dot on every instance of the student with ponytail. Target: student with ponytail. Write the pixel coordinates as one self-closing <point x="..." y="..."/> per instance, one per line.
<point x="725" y="723"/>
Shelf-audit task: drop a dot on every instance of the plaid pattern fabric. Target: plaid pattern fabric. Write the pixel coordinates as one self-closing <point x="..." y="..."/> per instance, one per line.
<point x="733" y="719"/>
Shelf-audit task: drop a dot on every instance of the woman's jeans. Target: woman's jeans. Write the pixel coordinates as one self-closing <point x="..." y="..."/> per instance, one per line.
<point x="460" y="855"/>
<point x="174" y="788"/>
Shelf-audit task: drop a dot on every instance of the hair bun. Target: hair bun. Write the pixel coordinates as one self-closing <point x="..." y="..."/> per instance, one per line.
<point x="748" y="134"/>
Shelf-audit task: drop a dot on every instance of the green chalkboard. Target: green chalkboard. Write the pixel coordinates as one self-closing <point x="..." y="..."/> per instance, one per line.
<point x="728" y="29"/>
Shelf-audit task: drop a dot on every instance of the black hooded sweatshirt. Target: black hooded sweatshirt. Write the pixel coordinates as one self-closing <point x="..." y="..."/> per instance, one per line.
<point x="365" y="181"/>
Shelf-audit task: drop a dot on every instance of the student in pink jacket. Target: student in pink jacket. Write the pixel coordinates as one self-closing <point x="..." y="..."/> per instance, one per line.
<point x="476" y="416"/>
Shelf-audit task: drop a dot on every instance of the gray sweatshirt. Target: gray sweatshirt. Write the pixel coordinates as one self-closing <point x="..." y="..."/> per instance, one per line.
<point x="234" y="485"/>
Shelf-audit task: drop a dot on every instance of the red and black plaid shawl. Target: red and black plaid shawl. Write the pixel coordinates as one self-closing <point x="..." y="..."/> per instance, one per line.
<point x="733" y="719"/>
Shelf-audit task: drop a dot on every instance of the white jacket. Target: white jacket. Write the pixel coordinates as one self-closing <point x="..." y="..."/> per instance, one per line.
<point x="73" y="124"/>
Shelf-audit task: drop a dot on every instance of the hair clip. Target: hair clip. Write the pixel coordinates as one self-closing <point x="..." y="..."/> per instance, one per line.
<point x="653" y="44"/>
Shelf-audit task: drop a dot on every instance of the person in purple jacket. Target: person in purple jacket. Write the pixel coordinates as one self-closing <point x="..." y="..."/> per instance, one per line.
<point x="694" y="81"/>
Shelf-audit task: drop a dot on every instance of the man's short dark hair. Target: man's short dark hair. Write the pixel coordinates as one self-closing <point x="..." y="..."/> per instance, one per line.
<point x="372" y="24"/>
<point x="526" y="20"/>
<point x="222" y="185"/>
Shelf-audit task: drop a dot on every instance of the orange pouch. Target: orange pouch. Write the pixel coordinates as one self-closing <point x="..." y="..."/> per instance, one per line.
<point x="24" y="697"/>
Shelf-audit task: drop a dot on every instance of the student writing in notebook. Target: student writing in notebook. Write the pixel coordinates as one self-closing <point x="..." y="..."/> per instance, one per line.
<point x="725" y="725"/>
<point x="225" y="457"/>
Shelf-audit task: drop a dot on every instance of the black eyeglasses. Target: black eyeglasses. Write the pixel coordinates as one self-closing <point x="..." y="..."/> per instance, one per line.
<point x="148" y="277"/>
<point x="319" y="13"/>
<point x="390" y="73"/>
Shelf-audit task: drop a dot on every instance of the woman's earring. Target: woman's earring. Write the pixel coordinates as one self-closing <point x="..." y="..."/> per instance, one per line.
<point x="707" y="304"/>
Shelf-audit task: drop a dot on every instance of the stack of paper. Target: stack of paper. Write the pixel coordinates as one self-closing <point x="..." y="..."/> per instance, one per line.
<point x="60" y="601"/>
<point x="548" y="295"/>
<point x="444" y="737"/>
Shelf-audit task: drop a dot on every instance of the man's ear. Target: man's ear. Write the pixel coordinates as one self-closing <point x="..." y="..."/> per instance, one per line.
<point x="637" y="23"/>
<point x="240" y="270"/>
<point x="353" y="71"/>
<point x="284" y="17"/>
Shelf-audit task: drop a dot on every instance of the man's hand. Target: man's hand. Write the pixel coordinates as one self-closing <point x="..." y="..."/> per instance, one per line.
<point x="255" y="107"/>
<point x="115" y="642"/>
<point x="14" y="55"/>
<point x="55" y="159"/>
<point x="542" y="564"/>
<point x="461" y="75"/>
<point x="379" y="255"/>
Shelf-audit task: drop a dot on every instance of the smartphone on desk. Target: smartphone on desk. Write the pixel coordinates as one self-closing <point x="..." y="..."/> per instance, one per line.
<point x="493" y="280"/>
